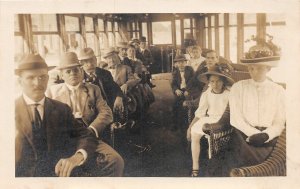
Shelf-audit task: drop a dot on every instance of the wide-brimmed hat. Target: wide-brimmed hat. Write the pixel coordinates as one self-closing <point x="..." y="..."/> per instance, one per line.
<point x="86" y="53"/>
<point x="122" y="45"/>
<point x="32" y="62"/>
<point x="219" y="70"/>
<point x="108" y="52"/>
<point x="68" y="60"/>
<point x="264" y="53"/>
<point x="180" y="57"/>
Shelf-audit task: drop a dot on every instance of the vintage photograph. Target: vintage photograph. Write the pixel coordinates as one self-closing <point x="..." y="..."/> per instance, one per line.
<point x="150" y="95"/>
<point x="146" y="94"/>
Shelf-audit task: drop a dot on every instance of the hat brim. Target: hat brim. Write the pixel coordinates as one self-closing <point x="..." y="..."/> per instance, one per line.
<point x="18" y="71"/>
<point x="267" y="61"/>
<point x="68" y="66"/>
<point x="203" y="77"/>
<point x="86" y="57"/>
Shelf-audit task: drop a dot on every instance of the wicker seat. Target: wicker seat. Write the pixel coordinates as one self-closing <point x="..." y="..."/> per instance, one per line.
<point x="275" y="165"/>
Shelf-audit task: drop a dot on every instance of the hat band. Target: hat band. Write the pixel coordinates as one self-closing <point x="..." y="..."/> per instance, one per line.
<point x="259" y="60"/>
<point x="32" y="66"/>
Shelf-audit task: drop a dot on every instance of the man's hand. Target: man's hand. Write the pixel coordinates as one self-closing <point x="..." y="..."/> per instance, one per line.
<point x="178" y="92"/>
<point x="118" y="105"/>
<point x="64" y="167"/>
<point x="124" y="88"/>
<point x="258" y="139"/>
<point x="188" y="134"/>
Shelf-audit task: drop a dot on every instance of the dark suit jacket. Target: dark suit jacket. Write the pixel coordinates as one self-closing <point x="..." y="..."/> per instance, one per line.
<point x="192" y="86"/>
<point x="108" y="87"/>
<point x="63" y="134"/>
<point x="146" y="57"/>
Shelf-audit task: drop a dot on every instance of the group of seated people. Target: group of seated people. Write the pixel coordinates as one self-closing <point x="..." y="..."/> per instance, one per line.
<point x="59" y="127"/>
<point x="254" y="108"/>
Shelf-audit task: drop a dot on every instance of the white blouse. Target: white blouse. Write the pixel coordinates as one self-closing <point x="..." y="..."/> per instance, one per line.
<point x="212" y="104"/>
<point x="195" y="63"/>
<point x="257" y="104"/>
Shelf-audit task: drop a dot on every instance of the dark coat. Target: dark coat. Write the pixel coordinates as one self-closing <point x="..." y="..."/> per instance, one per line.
<point x="192" y="86"/>
<point x="146" y="57"/>
<point x="109" y="89"/>
<point x="64" y="136"/>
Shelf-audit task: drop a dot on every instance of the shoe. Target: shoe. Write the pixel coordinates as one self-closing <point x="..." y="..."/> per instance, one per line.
<point x="195" y="173"/>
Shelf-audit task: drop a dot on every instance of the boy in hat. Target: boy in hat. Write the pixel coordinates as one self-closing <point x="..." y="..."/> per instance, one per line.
<point x="257" y="109"/>
<point x="49" y="141"/>
<point x="110" y="90"/>
<point x="183" y="88"/>
<point x="88" y="107"/>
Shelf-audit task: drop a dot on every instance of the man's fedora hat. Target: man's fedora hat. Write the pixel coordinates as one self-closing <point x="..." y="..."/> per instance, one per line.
<point x="219" y="70"/>
<point x="143" y="39"/>
<point x="86" y="53"/>
<point x="264" y="53"/>
<point x="180" y="57"/>
<point x="108" y="52"/>
<point x="134" y="40"/>
<point x="68" y="60"/>
<point x="32" y="62"/>
<point x="122" y="45"/>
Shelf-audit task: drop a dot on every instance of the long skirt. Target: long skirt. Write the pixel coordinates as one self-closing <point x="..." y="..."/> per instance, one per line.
<point x="241" y="153"/>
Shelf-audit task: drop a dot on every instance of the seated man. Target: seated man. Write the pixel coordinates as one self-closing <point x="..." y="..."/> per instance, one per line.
<point x="122" y="50"/>
<point x="257" y="110"/>
<point x="88" y="107"/>
<point x="49" y="141"/>
<point x="110" y="90"/>
<point x="122" y="74"/>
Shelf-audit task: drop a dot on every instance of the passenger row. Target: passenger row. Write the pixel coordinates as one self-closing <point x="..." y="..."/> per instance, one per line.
<point x="57" y="133"/>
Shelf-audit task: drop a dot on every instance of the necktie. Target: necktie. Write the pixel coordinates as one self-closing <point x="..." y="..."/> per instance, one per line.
<point x="37" y="121"/>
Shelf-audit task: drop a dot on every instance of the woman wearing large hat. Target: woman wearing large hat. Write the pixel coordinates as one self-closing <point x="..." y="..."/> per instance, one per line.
<point x="257" y="108"/>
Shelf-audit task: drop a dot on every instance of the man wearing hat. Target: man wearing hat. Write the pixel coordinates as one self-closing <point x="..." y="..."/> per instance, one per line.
<point x="122" y="48"/>
<point x="49" y="141"/>
<point x="257" y="109"/>
<point x="122" y="74"/>
<point x="110" y="90"/>
<point x="183" y="87"/>
<point x="88" y="107"/>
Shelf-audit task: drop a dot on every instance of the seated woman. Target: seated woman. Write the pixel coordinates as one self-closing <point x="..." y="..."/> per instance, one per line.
<point x="212" y="105"/>
<point x="196" y="58"/>
<point x="257" y="108"/>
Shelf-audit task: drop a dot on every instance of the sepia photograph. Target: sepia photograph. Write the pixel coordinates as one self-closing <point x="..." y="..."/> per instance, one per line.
<point x="134" y="95"/>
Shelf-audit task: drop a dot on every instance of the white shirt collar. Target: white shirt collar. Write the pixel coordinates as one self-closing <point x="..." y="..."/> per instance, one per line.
<point x="29" y="101"/>
<point x="70" y="87"/>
